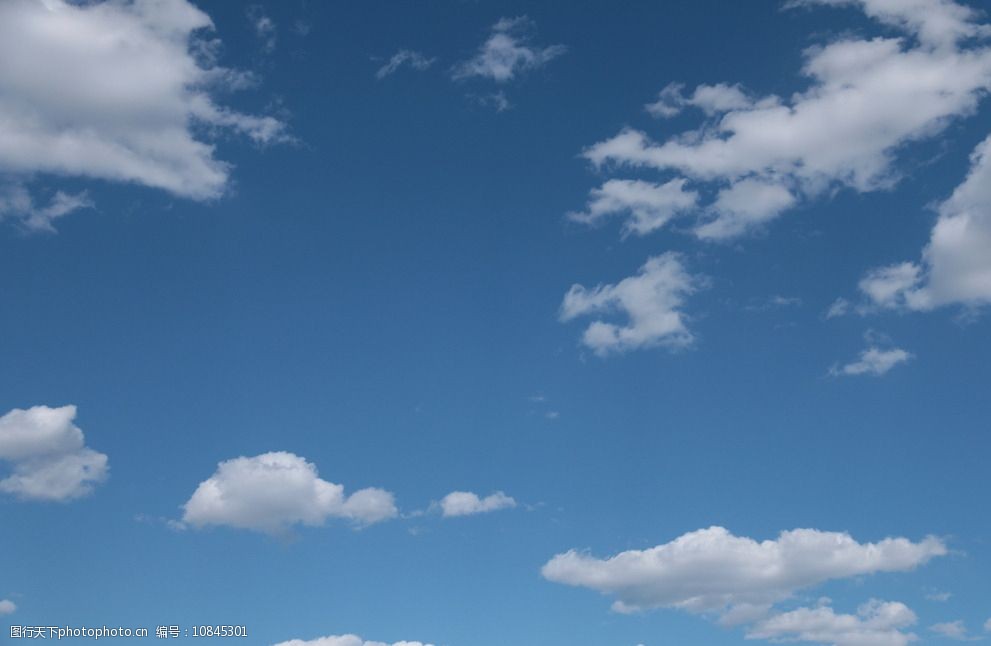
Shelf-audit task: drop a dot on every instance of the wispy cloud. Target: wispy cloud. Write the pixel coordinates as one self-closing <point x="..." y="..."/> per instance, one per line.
<point x="507" y="53"/>
<point x="405" y="58"/>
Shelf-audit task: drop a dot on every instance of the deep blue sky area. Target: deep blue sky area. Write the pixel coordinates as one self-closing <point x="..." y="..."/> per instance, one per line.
<point x="378" y="290"/>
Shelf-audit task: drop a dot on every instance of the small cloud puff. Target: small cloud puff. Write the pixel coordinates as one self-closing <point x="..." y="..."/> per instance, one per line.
<point x="466" y="503"/>
<point x="272" y="492"/>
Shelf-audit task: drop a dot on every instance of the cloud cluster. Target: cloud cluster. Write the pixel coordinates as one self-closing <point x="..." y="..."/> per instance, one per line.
<point x="7" y="607"/>
<point x="48" y="456"/>
<point x="274" y="491"/>
<point x="507" y="53"/>
<point x="651" y="301"/>
<point x="713" y="571"/>
<point x="119" y="91"/>
<point x="867" y="99"/>
<point x="466" y="503"/>
<point x="345" y="640"/>
<point x="876" y="623"/>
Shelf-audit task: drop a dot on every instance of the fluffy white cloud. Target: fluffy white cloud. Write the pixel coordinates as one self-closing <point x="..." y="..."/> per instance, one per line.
<point x="273" y="491"/>
<point x="47" y="454"/>
<point x="744" y="204"/>
<point x="507" y="53"/>
<point x="120" y="91"/>
<point x="866" y="100"/>
<point x="711" y="570"/>
<point x="651" y="301"/>
<point x="407" y="57"/>
<point x="956" y="265"/>
<point x="876" y="623"/>
<point x="345" y="640"/>
<point x="466" y="503"/>
<point x="647" y="206"/>
<point x="951" y="630"/>
<point x="873" y="361"/>
<point x="7" y="607"/>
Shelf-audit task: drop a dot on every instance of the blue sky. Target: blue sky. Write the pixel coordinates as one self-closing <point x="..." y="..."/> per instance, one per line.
<point x="499" y="323"/>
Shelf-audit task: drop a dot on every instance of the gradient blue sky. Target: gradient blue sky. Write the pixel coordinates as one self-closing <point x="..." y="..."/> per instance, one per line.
<point x="376" y="284"/>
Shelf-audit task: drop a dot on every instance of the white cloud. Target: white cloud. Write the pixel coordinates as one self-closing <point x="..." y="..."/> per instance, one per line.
<point x="867" y="99"/>
<point x="119" y="91"/>
<point x="873" y="361"/>
<point x="412" y="59"/>
<point x="345" y="640"/>
<point x="17" y="204"/>
<point x="956" y="265"/>
<point x="839" y="307"/>
<point x="507" y="53"/>
<point x="651" y="301"/>
<point x="647" y="206"/>
<point x="939" y="596"/>
<point x="711" y="99"/>
<point x="264" y="27"/>
<point x="987" y="626"/>
<point x="273" y="491"/>
<point x="937" y="23"/>
<point x="466" y="503"/>
<point x="47" y="454"/>
<point x="742" y="206"/>
<point x="952" y="630"/>
<point x="711" y="570"/>
<point x="893" y="286"/>
<point x="876" y="623"/>
<point x="7" y="607"/>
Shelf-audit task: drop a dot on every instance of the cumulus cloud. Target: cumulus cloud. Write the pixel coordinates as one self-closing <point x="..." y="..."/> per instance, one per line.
<point x="866" y="100"/>
<point x="651" y="301"/>
<point x="345" y="640"/>
<point x="47" y="455"/>
<point x="120" y="91"/>
<point x="873" y="361"/>
<point x="7" y="607"/>
<point x="743" y="205"/>
<point x="876" y="623"/>
<point x="645" y="205"/>
<point x="955" y="266"/>
<point x="713" y="571"/>
<point x="405" y="57"/>
<point x="466" y="503"/>
<point x="507" y="53"/>
<point x="274" y="491"/>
